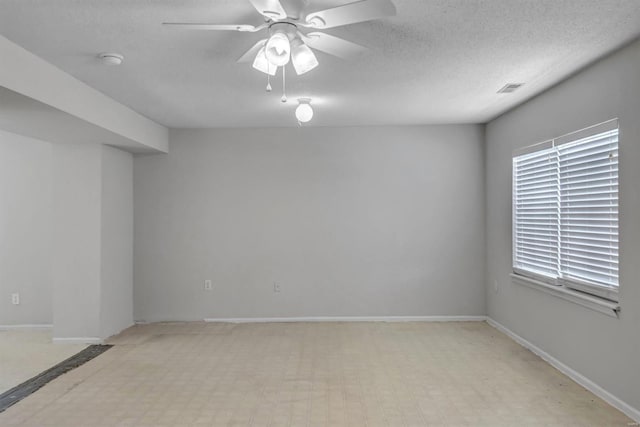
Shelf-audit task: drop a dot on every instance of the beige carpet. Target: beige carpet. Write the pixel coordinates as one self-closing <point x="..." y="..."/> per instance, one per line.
<point x="313" y="374"/>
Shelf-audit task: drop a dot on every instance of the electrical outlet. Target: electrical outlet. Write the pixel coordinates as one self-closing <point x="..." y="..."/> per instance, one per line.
<point x="208" y="285"/>
<point x="15" y="299"/>
<point x="276" y="287"/>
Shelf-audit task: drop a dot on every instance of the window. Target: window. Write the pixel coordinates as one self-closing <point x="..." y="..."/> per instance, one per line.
<point x="565" y="211"/>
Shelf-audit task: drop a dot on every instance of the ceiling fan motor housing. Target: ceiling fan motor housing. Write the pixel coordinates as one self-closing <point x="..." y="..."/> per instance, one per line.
<point x="284" y="27"/>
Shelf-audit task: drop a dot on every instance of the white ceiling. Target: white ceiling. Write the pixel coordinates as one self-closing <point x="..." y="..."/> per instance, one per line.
<point x="438" y="61"/>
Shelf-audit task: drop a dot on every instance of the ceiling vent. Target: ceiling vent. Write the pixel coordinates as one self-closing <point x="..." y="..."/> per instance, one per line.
<point x="510" y="87"/>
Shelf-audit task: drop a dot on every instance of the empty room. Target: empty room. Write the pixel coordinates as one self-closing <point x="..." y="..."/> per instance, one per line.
<point x="319" y="213"/>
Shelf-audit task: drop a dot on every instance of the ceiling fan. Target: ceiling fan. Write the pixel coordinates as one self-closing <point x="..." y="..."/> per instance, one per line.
<point x="286" y="42"/>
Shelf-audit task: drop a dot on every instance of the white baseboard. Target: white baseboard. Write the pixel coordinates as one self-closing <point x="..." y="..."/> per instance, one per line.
<point x="585" y="382"/>
<point x="350" y="319"/>
<point x="78" y="340"/>
<point x="35" y="326"/>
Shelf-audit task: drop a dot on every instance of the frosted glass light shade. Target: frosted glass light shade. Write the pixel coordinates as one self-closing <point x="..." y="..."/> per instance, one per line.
<point x="303" y="58"/>
<point x="304" y="112"/>
<point x="278" y="50"/>
<point x="261" y="64"/>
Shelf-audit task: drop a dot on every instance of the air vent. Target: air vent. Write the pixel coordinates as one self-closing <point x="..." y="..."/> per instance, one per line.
<point x="510" y="87"/>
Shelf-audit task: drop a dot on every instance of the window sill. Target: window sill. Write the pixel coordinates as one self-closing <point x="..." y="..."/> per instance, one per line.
<point x="600" y="305"/>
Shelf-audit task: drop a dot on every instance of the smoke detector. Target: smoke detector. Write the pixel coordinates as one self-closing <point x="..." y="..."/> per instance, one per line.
<point x="510" y="87"/>
<point x="109" y="58"/>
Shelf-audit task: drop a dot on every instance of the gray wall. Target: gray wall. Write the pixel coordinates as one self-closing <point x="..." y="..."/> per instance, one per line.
<point x="25" y="230"/>
<point x="93" y="241"/>
<point x="116" y="278"/>
<point x="66" y="236"/>
<point x="76" y="240"/>
<point x="349" y="221"/>
<point x="604" y="349"/>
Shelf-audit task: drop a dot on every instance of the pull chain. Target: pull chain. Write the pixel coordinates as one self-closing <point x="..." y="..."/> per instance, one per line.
<point x="269" y="82"/>
<point x="284" y="87"/>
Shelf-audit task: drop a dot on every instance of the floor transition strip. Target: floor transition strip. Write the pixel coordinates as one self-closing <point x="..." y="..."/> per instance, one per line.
<point x="19" y="392"/>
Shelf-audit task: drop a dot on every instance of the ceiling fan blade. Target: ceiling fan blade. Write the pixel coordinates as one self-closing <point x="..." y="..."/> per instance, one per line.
<point x="270" y="8"/>
<point x="251" y="53"/>
<point x="214" y="27"/>
<point x="334" y="45"/>
<point x="359" y="11"/>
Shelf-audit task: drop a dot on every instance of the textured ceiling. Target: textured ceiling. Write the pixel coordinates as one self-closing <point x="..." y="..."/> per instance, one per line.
<point x="436" y="62"/>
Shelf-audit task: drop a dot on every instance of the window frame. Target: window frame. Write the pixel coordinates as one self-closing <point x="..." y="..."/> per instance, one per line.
<point x="608" y="293"/>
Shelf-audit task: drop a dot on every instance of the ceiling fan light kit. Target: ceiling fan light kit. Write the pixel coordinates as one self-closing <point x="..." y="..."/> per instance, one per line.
<point x="278" y="49"/>
<point x="302" y="57"/>
<point x="287" y="43"/>
<point x="262" y="64"/>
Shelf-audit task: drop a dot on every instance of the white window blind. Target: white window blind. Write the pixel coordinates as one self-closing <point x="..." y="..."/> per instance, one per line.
<point x="588" y="170"/>
<point x="536" y="213"/>
<point x="565" y="219"/>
